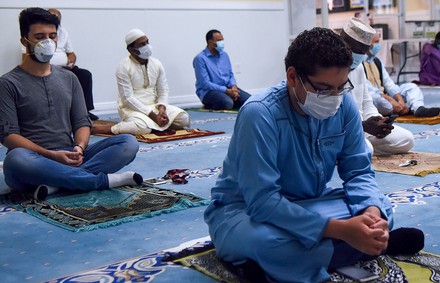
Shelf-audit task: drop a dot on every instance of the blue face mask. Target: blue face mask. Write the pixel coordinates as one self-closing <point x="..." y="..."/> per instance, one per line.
<point x="220" y="45"/>
<point x="357" y="59"/>
<point x="375" y="49"/>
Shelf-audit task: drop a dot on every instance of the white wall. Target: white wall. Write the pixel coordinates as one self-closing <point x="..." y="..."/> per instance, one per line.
<point x="302" y="16"/>
<point x="255" y="34"/>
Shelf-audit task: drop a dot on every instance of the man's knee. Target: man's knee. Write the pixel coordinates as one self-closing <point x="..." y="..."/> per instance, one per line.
<point x="218" y="101"/>
<point x="19" y="162"/>
<point x="17" y="157"/>
<point x="182" y="120"/>
<point x="130" y="144"/>
<point x="228" y="104"/>
<point x="225" y="104"/>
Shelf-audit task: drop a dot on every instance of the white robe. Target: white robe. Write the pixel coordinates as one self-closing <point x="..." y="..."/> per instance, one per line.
<point x="142" y="90"/>
<point x="399" y="140"/>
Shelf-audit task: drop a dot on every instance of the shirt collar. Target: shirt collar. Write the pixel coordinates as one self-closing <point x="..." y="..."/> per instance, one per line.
<point x="209" y="54"/>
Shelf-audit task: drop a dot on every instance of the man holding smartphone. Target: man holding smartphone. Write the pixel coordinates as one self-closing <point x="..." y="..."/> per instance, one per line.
<point x="382" y="138"/>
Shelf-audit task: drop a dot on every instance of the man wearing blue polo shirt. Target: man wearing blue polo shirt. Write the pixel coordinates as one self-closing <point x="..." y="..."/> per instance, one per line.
<point x="215" y="82"/>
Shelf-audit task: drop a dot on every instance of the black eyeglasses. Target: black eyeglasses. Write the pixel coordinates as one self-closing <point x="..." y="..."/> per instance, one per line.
<point x="347" y="87"/>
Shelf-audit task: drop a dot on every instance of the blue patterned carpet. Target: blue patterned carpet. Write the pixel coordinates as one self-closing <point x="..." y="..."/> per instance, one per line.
<point x="34" y="251"/>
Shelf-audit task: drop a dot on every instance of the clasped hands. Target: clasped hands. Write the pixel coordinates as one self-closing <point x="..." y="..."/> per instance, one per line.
<point x="161" y="118"/>
<point x="366" y="232"/>
<point x="71" y="158"/>
<point x="233" y="92"/>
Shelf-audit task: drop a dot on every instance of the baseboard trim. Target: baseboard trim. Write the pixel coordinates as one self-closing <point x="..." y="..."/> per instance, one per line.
<point x="182" y="101"/>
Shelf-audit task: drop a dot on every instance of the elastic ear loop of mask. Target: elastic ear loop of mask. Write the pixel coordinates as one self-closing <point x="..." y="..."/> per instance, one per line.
<point x="27" y="54"/>
<point x="36" y="44"/>
<point x="296" y="96"/>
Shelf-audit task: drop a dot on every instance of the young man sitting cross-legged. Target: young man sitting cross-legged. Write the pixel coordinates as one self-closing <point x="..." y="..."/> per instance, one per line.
<point x="46" y="127"/>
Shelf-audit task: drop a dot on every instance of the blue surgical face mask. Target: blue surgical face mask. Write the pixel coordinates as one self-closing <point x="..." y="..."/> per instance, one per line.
<point x="357" y="59"/>
<point x="375" y="49"/>
<point x="220" y="45"/>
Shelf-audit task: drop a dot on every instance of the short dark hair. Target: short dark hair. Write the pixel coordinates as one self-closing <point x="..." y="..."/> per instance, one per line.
<point x="210" y="34"/>
<point x="317" y="48"/>
<point x="35" y="15"/>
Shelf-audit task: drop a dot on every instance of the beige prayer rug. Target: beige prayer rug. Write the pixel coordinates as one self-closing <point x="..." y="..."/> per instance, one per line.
<point x="411" y="163"/>
<point x="168" y="135"/>
<point x="411" y="119"/>
<point x="202" y="109"/>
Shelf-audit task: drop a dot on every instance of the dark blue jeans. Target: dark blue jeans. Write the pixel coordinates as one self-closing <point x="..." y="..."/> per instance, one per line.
<point x="217" y="100"/>
<point x="24" y="169"/>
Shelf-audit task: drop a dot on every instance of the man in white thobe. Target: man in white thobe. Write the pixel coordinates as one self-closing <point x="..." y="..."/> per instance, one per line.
<point x="143" y="93"/>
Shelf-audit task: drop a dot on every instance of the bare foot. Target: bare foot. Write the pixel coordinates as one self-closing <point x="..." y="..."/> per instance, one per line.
<point x="102" y="129"/>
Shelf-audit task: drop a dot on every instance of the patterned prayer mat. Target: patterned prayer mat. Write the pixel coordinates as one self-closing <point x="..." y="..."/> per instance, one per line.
<point x="101" y="209"/>
<point x="136" y="270"/>
<point x="200" y="255"/>
<point x="422" y="267"/>
<point x="168" y="135"/>
<point x="412" y="163"/>
<point x="411" y="119"/>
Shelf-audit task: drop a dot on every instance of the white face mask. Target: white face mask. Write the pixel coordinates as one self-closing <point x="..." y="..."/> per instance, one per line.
<point x="319" y="107"/>
<point x="44" y="50"/>
<point x="145" y="51"/>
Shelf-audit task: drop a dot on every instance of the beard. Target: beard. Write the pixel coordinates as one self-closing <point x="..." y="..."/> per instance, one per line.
<point x="32" y="54"/>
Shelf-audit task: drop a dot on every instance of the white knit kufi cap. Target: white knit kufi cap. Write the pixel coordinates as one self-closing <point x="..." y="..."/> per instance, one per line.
<point x="360" y="31"/>
<point x="133" y="35"/>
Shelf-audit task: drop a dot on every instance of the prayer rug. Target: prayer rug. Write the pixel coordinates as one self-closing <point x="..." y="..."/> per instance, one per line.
<point x="145" y="268"/>
<point x="142" y="269"/>
<point x="421" y="267"/>
<point x="168" y="135"/>
<point x="201" y="109"/>
<point x="104" y="122"/>
<point x="411" y="119"/>
<point x="105" y="208"/>
<point x="411" y="163"/>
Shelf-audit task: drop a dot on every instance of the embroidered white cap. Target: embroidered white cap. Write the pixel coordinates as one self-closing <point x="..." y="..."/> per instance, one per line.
<point x="359" y="31"/>
<point x="133" y="35"/>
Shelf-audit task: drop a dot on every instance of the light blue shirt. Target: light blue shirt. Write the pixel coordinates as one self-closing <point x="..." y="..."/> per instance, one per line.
<point x="212" y="72"/>
<point x="278" y="157"/>
<point x="382" y="104"/>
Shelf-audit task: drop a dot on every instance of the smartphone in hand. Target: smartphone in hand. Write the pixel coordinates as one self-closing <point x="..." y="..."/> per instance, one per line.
<point x="391" y="119"/>
<point x="357" y="273"/>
